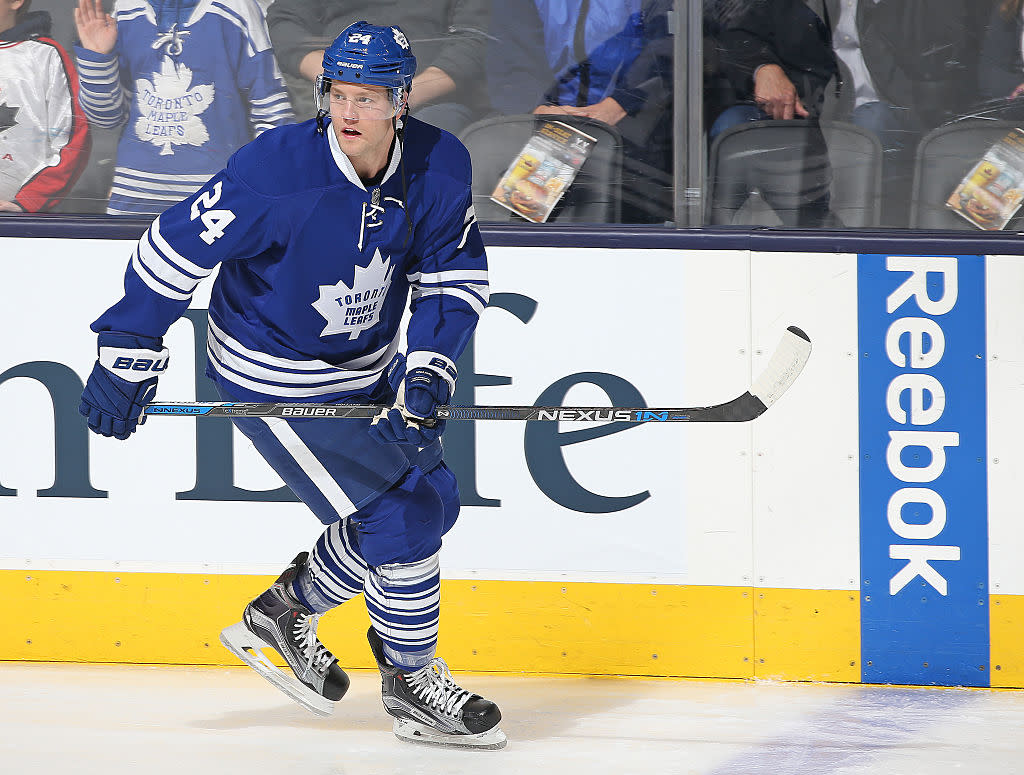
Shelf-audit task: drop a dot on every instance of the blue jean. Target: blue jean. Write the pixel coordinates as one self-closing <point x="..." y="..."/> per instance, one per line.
<point x="734" y="116"/>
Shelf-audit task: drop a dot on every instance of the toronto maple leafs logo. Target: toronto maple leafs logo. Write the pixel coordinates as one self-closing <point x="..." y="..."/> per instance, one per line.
<point x="400" y="38"/>
<point x="352" y="310"/>
<point x="170" y="106"/>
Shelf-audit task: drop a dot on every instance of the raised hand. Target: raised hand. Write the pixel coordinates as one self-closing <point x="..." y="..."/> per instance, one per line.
<point x="96" y="29"/>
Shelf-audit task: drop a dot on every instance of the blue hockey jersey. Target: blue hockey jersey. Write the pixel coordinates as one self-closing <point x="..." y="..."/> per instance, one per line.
<point x="316" y="269"/>
<point x="189" y="94"/>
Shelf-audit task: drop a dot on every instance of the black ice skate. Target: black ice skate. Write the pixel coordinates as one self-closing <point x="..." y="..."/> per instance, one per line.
<point x="429" y="707"/>
<point x="276" y="619"/>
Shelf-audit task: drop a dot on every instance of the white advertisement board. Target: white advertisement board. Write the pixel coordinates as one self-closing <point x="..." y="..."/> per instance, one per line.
<point x="774" y="503"/>
<point x="589" y="326"/>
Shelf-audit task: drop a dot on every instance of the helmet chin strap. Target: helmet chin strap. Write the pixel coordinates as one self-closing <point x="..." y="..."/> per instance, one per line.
<point x="399" y="127"/>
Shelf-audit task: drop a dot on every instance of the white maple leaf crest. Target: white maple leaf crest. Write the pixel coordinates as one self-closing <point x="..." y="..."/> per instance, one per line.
<point x="169" y="108"/>
<point x="352" y="310"/>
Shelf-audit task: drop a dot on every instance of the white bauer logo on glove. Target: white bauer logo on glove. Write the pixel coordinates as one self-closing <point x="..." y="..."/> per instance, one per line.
<point x="134" y="365"/>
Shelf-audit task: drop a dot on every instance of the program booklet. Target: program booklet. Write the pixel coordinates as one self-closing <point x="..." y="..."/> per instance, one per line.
<point x="993" y="190"/>
<point x="541" y="172"/>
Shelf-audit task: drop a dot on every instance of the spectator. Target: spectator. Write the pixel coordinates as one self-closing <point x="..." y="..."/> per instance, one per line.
<point x="608" y="61"/>
<point x="777" y="56"/>
<point x="448" y="36"/>
<point x="1001" y="71"/>
<point x="44" y="137"/>
<point x="191" y="82"/>
<point x="908" y="67"/>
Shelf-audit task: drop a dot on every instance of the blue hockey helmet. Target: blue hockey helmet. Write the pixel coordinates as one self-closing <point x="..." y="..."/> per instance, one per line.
<point x="371" y="55"/>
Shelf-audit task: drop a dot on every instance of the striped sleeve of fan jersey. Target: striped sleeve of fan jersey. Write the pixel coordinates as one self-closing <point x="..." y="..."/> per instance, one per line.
<point x="100" y="93"/>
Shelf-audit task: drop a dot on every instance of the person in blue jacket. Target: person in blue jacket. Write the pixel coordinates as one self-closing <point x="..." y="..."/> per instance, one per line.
<point x="601" y="60"/>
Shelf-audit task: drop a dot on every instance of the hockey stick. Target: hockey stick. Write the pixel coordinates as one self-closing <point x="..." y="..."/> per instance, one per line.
<point x="784" y="367"/>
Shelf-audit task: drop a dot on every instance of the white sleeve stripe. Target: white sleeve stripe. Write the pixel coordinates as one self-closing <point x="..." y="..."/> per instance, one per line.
<point x="129" y="172"/>
<point x="452" y="275"/>
<point x="152" y="282"/>
<point x="269" y="114"/>
<point x="92" y="66"/>
<point x="164" y="270"/>
<point x="483" y="291"/>
<point x="100" y="100"/>
<point x="98" y="75"/>
<point x="161" y="245"/>
<point x="92" y="78"/>
<point x="182" y="189"/>
<point x="467" y="296"/>
<point x="267" y="100"/>
<point x="175" y="197"/>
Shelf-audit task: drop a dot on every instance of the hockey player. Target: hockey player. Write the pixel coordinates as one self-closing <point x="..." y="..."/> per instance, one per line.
<point x="320" y="230"/>
<point x="190" y="81"/>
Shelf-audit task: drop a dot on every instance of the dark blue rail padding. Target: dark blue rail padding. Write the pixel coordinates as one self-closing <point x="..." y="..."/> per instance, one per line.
<point x="907" y="242"/>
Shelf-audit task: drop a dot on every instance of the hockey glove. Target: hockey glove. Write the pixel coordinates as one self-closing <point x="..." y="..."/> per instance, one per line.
<point x="122" y="382"/>
<point x="411" y="420"/>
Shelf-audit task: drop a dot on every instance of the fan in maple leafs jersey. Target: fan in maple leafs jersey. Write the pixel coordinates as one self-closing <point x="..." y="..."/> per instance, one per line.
<point x="192" y="81"/>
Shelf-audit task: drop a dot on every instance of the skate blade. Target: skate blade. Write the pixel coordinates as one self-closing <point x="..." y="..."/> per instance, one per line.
<point x="240" y="641"/>
<point x="491" y="740"/>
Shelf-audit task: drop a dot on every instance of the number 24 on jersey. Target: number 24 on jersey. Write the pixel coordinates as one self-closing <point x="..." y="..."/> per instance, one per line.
<point x="215" y="221"/>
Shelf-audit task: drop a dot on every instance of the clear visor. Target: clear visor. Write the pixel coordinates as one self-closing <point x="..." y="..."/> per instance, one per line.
<point x="352" y="100"/>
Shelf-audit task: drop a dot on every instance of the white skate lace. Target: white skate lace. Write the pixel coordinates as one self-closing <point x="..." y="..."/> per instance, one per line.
<point x="316" y="654"/>
<point x="436" y="687"/>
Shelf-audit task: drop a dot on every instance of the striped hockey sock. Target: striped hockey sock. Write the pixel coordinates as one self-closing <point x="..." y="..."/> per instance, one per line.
<point x="334" y="573"/>
<point x="404" y="603"/>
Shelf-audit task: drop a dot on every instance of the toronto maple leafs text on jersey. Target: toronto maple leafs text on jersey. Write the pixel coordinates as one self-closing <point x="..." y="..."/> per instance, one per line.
<point x="316" y="269"/>
<point x="189" y="96"/>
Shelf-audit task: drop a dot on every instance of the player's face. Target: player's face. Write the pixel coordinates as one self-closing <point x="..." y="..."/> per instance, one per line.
<point x="361" y="117"/>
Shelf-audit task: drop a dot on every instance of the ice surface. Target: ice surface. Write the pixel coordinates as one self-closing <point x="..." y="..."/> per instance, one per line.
<point x="108" y="720"/>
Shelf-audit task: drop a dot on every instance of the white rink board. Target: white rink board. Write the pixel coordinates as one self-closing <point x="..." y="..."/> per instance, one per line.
<point x="773" y="503"/>
<point x="806" y="515"/>
<point x="1005" y="333"/>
